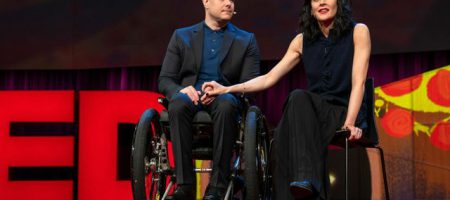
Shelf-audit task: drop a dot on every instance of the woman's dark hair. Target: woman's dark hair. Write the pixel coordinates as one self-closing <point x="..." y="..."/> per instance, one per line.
<point x="343" y="20"/>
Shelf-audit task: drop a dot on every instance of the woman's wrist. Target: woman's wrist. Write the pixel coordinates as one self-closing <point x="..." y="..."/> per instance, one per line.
<point x="237" y="88"/>
<point x="228" y="89"/>
<point x="346" y="125"/>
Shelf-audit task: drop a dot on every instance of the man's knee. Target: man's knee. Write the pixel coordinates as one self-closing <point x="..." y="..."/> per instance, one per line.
<point x="180" y="103"/>
<point x="226" y="103"/>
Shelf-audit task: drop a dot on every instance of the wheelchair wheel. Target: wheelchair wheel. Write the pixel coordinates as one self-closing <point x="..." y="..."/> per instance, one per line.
<point x="147" y="182"/>
<point x="255" y="155"/>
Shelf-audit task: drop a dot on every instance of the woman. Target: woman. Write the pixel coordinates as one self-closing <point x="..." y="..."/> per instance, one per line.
<point x="335" y="52"/>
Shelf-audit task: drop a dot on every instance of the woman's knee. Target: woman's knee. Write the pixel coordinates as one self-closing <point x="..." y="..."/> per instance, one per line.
<point x="299" y="96"/>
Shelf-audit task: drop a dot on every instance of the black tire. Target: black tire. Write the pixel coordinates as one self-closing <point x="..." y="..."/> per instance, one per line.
<point x="146" y="184"/>
<point x="255" y="155"/>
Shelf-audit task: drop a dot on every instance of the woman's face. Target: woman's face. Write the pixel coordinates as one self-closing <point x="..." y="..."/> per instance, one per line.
<point x="324" y="10"/>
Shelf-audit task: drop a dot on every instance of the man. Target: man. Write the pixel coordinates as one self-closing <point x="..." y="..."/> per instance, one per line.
<point x="216" y="50"/>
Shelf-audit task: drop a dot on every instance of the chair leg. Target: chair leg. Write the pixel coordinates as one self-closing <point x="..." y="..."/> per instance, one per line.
<point x="386" y="188"/>
<point x="346" y="168"/>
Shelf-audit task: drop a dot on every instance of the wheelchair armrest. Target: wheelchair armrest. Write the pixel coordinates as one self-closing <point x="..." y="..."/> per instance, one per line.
<point x="246" y="103"/>
<point x="163" y="101"/>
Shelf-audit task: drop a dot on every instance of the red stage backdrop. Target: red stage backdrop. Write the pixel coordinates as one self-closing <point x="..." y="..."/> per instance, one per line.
<point x="76" y="144"/>
<point x="64" y="145"/>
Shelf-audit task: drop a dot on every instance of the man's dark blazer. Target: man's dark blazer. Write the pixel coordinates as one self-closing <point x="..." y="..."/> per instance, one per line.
<point x="239" y="58"/>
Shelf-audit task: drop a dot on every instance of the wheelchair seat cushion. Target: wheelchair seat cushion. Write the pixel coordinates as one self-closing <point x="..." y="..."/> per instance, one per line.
<point x="201" y="117"/>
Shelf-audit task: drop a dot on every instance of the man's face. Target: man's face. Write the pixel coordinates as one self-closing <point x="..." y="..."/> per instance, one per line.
<point x="219" y="10"/>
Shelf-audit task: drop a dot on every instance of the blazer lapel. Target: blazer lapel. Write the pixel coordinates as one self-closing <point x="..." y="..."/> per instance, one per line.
<point x="197" y="45"/>
<point x="227" y="41"/>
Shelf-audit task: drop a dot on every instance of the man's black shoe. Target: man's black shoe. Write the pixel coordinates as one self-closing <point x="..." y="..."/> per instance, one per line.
<point x="184" y="192"/>
<point x="301" y="189"/>
<point x="213" y="193"/>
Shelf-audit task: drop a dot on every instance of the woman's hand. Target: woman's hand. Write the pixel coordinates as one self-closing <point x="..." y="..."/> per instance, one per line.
<point x="355" y="132"/>
<point x="207" y="99"/>
<point x="213" y="88"/>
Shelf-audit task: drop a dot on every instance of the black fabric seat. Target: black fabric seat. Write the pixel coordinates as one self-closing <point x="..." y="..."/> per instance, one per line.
<point x="203" y="129"/>
<point x="201" y="117"/>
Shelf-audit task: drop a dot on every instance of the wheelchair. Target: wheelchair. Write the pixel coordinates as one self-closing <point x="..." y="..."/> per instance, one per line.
<point x="153" y="177"/>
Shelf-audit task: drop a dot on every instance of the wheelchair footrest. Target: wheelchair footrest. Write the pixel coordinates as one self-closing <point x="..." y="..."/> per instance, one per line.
<point x="203" y="170"/>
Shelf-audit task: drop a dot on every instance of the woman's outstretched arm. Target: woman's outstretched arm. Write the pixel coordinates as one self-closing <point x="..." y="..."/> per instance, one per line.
<point x="361" y="38"/>
<point x="289" y="61"/>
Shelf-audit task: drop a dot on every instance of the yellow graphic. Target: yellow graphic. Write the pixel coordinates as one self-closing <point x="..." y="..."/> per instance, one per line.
<point x="416" y="100"/>
<point x="419" y="104"/>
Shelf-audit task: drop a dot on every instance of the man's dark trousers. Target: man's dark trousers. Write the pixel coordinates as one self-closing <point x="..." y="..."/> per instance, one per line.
<point x="224" y="111"/>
